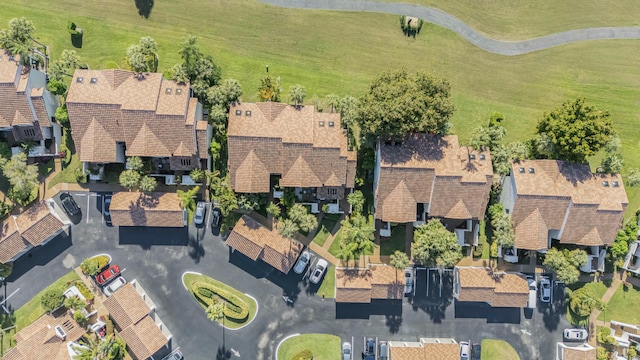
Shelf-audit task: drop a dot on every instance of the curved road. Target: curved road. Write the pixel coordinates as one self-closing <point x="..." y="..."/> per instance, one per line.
<point x="438" y="17"/>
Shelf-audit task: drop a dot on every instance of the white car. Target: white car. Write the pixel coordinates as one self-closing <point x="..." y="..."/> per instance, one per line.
<point x="302" y="263"/>
<point x="464" y="350"/>
<point x="198" y="219"/>
<point x="114" y="286"/>
<point x="545" y="290"/>
<point x="575" y="334"/>
<point x="408" y="276"/>
<point x="533" y="292"/>
<point x="346" y="351"/>
<point x="318" y="271"/>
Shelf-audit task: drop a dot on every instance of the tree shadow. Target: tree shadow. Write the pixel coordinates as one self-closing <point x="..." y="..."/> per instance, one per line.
<point x="144" y="7"/>
<point x="393" y="322"/>
<point x="223" y="353"/>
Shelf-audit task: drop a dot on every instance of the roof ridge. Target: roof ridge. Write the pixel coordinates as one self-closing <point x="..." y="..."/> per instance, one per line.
<point x="303" y="170"/>
<point x="459" y="211"/>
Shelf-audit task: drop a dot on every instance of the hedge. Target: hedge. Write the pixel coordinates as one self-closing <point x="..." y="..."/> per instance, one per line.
<point x="303" y="355"/>
<point x="235" y="309"/>
<point x="92" y="266"/>
<point x="84" y="290"/>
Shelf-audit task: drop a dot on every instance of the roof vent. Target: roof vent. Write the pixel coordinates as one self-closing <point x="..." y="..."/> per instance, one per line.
<point x="94" y="80"/>
<point x="178" y="91"/>
<point x="248" y="112"/>
<point x="472" y="156"/>
<point x="482" y="157"/>
<point x="321" y="123"/>
<point x="331" y="123"/>
<point x="79" y="79"/>
<point x="60" y="332"/>
<point x="615" y="184"/>
<point x="605" y="183"/>
<point x="238" y="112"/>
<point x="168" y="91"/>
<point x="521" y="170"/>
<point x="532" y="171"/>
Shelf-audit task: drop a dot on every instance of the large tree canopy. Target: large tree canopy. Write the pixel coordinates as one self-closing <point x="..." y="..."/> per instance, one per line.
<point x="434" y="245"/>
<point x="17" y="38"/>
<point x="398" y="102"/>
<point x="197" y="68"/>
<point x="575" y="130"/>
<point x="143" y="57"/>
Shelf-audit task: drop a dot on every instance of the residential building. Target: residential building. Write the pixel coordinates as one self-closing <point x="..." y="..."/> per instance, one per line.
<point x="632" y="260"/>
<point x="274" y="145"/>
<point x="626" y="336"/>
<point x="424" y="349"/>
<point x="115" y="114"/>
<point x="565" y="351"/>
<point x="154" y="209"/>
<point x="422" y="176"/>
<point x="36" y="226"/>
<point x="27" y="108"/>
<point x="552" y="200"/>
<point x="377" y="282"/>
<point x="498" y="289"/>
<point x="257" y="241"/>
<point x="137" y="322"/>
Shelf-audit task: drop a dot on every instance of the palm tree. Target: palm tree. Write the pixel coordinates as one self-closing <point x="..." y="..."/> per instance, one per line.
<point x="297" y="93"/>
<point x="399" y="260"/>
<point x="74" y="303"/>
<point x="334" y="102"/>
<point x="215" y="312"/>
<point x="90" y="350"/>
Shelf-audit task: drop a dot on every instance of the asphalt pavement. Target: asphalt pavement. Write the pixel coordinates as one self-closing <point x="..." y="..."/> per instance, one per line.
<point x="157" y="258"/>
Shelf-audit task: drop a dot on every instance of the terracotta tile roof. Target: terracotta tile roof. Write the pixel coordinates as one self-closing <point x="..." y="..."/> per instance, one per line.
<point x="499" y="289"/>
<point x="143" y="338"/>
<point x="258" y="242"/>
<point x="579" y="352"/>
<point x="375" y="282"/>
<point x="8" y="68"/>
<point x="126" y="307"/>
<point x="136" y="109"/>
<point x="425" y="349"/>
<point x="39" y="338"/>
<point x="453" y="181"/>
<point x="532" y="233"/>
<point x="307" y="148"/>
<point x="250" y="175"/>
<point x="151" y="209"/>
<point x="97" y="144"/>
<point x="11" y="242"/>
<point x="568" y="197"/>
<point x="38" y="223"/>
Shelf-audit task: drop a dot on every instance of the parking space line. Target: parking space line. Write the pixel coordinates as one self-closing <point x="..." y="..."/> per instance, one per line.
<point x="80" y="194"/>
<point x="102" y="207"/>
<point x="88" y="209"/>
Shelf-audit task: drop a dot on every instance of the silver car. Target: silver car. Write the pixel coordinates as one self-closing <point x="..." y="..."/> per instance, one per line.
<point x="408" y="276"/>
<point x="346" y="351"/>
<point x="318" y="271"/>
<point x="302" y="263"/>
<point x="114" y="286"/>
<point x="198" y="219"/>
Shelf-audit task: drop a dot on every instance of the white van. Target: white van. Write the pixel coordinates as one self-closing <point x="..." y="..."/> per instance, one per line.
<point x="383" y="350"/>
<point x="533" y="292"/>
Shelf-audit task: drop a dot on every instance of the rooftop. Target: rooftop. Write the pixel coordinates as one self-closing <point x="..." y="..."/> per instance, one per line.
<point x="146" y="209"/>
<point x="374" y="282"/>
<point x="499" y="289"/>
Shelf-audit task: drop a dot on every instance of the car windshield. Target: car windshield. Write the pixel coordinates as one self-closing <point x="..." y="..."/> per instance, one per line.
<point x="347" y="351"/>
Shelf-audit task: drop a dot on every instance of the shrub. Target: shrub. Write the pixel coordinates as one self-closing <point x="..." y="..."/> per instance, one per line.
<point x="81" y="177"/>
<point x="303" y="355"/>
<point x="6" y="269"/>
<point x="52" y="299"/>
<point x="108" y="325"/>
<point x="206" y="292"/>
<point x="79" y="318"/>
<point x="84" y="290"/>
<point x="71" y="27"/>
<point x="226" y="296"/>
<point x="74" y="302"/>
<point x="92" y="266"/>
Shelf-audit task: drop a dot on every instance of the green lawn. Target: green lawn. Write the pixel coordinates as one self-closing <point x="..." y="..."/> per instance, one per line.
<point x="622" y="304"/>
<point x="328" y="286"/>
<point x="68" y="173"/>
<point x="323" y="347"/>
<point x="498" y="350"/>
<point x="334" y="249"/>
<point x="189" y="279"/>
<point x="598" y="289"/>
<point x="397" y="241"/>
<point x="322" y="50"/>
<point x="326" y="225"/>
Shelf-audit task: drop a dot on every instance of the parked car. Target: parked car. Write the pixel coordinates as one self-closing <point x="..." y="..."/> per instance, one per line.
<point x="369" y="352"/>
<point x="216" y="216"/>
<point x="383" y="350"/>
<point x="302" y="263"/>
<point x="533" y="292"/>
<point x="175" y="355"/>
<point x="476" y="350"/>
<point x="346" y="351"/>
<point x="107" y="211"/>
<point x="69" y="204"/>
<point x="408" y="278"/>
<point x="106" y="276"/>
<point x="575" y="334"/>
<point x="201" y="211"/>
<point x="318" y="271"/>
<point x="545" y="290"/>
<point x="464" y="350"/>
<point x="115" y="285"/>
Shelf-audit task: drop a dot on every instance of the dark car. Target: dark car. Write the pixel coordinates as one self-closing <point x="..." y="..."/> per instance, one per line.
<point x="476" y="350"/>
<point x="216" y="217"/>
<point x="111" y="273"/>
<point x="369" y="352"/>
<point x="69" y="204"/>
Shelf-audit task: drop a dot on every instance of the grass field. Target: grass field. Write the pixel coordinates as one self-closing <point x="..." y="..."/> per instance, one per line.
<point x="618" y="308"/>
<point x="326" y="225"/>
<point x="498" y="350"/>
<point x="328" y="286"/>
<point x="522" y="19"/>
<point x="324" y="51"/>
<point x="323" y="347"/>
<point x="397" y="241"/>
<point x="597" y="288"/>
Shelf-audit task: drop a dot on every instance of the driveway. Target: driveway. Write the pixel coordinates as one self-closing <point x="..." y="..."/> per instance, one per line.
<point x="456" y="25"/>
<point x="157" y="258"/>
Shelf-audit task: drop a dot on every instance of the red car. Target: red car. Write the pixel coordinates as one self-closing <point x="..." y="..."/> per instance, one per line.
<point x="111" y="273"/>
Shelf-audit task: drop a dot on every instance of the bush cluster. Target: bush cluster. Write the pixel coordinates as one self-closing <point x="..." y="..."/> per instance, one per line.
<point x="235" y="309"/>
<point x="409" y="28"/>
<point x="303" y="355"/>
<point x="52" y="299"/>
<point x="84" y="290"/>
<point x="92" y="266"/>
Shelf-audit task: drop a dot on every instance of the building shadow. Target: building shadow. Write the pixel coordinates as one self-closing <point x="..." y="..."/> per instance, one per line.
<point x="144" y="7"/>
<point x="493" y="315"/>
<point x="40" y="255"/>
<point x="146" y="237"/>
<point x="391" y="309"/>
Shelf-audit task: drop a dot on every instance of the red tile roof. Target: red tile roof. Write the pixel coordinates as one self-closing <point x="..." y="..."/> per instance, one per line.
<point x="150" y="209"/>
<point x="375" y="282"/>
<point x="499" y="289"/>
<point x="38" y="223"/>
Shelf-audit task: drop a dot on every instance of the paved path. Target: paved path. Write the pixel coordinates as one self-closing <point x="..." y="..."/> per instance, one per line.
<point x="593" y="318"/>
<point x="456" y="25"/>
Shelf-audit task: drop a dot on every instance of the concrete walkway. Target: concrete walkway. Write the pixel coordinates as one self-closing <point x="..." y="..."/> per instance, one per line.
<point x="440" y="18"/>
<point x="619" y="279"/>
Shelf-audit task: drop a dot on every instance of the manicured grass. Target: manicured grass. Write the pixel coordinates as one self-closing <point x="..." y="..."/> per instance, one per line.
<point x="189" y="279"/>
<point x="326" y="225"/>
<point x="68" y="174"/>
<point x="328" y="286"/>
<point x="622" y="306"/>
<point x="519" y="19"/>
<point x="598" y="289"/>
<point x="334" y="249"/>
<point x="323" y="347"/>
<point x="45" y="168"/>
<point x="498" y="350"/>
<point x="395" y="242"/>
<point x="322" y="50"/>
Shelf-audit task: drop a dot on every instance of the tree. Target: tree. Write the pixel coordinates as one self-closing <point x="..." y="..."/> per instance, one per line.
<point x="109" y="348"/>
<point x="249" y="202"/>
<point x="487" y="137"/>
<point x="62" y="115"/>
<point x="143" y="57"/>
<point x="269" y="89"/>
<point x="565" y="263"/>
<point x="602" y="353"/>
<point x="612" y="163"/>
<point x="129" y="179"/>
<point x="215" y="312"/>
<point x="19" y="35"/>
<point x="576" y="130"/>
<point x="299" y="214"/>
<point x="399" y="260"/>
<point x="288" y="228"/>
<point x="187" y="198"/>
<point x="148" y="184"/>
<point x="357" y="236"/>
<point x="434" y="245"/>
<point x="297" y="93"/>
<point x="502" y="226"/>
<point x="196" y="175"/>
<point x="273" y="210"/>
<point x="223" y="95"/>
<point x="135" y="163"/>
<point x="397" y="102"/>
<point x="333" y="101"/>
<point x="348" y="110"/>
<point x="197" y="68"/>
<point x="582" y="302"/>
<point x="356" y="200"/>
<point x="65" y="65"/>
<point x="633" y="177"/>
<point x="52" y="299"/>
<point x="22" y="177"/>
<point x="74" y="302"/>
<point x="632" y="353"/>
<point x="222" y="192"/>
<point x="503" y="155"/>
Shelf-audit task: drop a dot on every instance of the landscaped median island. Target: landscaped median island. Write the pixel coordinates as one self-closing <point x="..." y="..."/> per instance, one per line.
<point x="310" y="346"/>
<point x="239" y="309"/>
<point x="498" y="350"/>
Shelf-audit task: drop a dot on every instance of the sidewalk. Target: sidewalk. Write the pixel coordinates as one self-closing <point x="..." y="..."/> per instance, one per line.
<point x="620" y="278"/>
